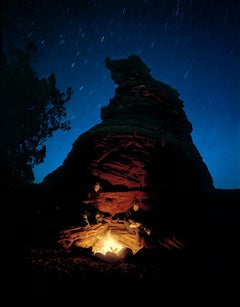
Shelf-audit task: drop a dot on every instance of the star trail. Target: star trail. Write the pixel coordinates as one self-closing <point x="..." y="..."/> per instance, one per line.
<point x="194" y="46"/>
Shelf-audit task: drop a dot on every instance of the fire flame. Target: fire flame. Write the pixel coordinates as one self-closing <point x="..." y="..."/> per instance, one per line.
<point x="107" y="243"/>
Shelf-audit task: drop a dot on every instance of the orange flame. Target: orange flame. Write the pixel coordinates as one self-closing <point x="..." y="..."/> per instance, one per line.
<point x="107" y="243"/>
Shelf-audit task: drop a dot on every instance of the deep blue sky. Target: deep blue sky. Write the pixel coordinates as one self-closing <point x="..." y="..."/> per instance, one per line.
<point x="193" y="45"/>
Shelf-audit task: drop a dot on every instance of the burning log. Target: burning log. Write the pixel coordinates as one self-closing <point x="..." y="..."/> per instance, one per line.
<point x="108" y="237"/>
<point x="86" y="235"/>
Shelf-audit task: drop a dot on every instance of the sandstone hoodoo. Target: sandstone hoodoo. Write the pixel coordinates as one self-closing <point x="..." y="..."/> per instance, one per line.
<point x="142" y="152"/>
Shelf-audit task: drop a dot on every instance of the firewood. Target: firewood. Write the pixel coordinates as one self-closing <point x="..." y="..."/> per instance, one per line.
<point x="88" y="236"/>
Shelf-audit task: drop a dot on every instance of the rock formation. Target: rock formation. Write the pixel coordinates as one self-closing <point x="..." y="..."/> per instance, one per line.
<point x="141" y="150"/>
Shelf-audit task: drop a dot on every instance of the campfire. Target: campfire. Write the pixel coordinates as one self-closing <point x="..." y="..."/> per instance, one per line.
<point x="107" y="243"/>
<point x="113" y="235"/>
<point x="110" y="237"/>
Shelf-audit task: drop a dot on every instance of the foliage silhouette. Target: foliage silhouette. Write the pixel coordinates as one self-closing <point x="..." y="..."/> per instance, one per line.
<point x="32" y="109"/>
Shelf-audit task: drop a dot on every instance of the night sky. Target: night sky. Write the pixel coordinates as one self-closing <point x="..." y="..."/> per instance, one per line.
<point x="194" y="46"/>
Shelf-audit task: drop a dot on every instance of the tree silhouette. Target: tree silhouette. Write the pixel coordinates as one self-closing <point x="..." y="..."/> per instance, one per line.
<point x="31" y="110"/>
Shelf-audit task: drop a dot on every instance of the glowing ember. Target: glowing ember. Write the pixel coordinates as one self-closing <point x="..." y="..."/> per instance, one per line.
<point x="107" y="243"/>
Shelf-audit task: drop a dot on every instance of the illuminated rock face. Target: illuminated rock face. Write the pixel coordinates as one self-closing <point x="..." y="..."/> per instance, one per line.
<point x="141" y="149"/>
<point x="121" y="160"/>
